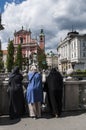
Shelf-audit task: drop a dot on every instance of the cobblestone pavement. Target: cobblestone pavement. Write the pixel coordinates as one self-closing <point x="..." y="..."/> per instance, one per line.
<point x="68" y="121"/>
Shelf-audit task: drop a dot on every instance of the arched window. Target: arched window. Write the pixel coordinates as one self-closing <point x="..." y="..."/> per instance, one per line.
<point x="21" y="40"/>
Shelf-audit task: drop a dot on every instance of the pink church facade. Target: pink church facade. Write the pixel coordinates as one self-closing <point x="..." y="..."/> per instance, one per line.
<point x="29" y="45"/>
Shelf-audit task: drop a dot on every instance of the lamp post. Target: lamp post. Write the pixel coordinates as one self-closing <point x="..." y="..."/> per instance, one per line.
<point x="1" y="26"/>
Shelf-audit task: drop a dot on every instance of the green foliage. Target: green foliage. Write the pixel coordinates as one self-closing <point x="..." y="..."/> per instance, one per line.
<point x="78" y="70"/>
<point x="19" y="59"/>
<point x="1" y="54"/>
<point x="10" y="56"/>
<point x="42" y="61"/>
<point x="1" y="61"/>
<point x="79" y="74"/>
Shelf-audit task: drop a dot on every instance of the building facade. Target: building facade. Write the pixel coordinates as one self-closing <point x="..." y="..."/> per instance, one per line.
<point x="52" y="60"/>
<point x="30" y="47"/>
<point x="72" y="52"/>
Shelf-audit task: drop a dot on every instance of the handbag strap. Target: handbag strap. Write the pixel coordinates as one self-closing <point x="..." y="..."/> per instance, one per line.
<point x="32" y="77"/>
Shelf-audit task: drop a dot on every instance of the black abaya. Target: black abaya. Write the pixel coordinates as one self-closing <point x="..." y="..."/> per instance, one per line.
<point x="54" y="84"/>
<point x="16" y="96"/>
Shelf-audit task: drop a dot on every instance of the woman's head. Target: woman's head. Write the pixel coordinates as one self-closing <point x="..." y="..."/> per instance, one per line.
<point x="53" y="70"/>
<point x="16" y="69"/>
<point x="33" y="68"/>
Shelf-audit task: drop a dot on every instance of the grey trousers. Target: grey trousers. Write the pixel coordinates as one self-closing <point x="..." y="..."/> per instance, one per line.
<point x="34" y="109"/>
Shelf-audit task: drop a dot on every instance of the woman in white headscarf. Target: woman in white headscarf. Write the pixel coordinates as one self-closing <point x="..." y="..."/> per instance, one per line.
<point x="34" y="93"/>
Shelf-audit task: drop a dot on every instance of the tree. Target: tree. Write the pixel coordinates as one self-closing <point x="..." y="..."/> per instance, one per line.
<point x="42" y="61"/>
<point x="1" y="60"/>
<point x="10" y="56"/>
<point x="19" y="58"/>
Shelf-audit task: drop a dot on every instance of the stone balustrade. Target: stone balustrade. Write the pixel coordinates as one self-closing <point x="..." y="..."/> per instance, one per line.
<point x="74" y="95"/>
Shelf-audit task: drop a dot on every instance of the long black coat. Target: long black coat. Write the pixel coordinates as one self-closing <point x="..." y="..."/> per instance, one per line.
<point x="54" y="88"/>
<point x="16" y="96"/>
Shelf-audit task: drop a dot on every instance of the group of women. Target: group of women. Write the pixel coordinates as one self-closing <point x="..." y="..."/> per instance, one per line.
<point x="34" y="93"/>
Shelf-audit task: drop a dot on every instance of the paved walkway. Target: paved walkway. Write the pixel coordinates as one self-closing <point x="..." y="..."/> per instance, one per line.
<point x="69" y="121"/>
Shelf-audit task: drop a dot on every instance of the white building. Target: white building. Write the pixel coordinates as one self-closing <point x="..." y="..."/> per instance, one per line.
<point x="52" y="60"/>
<point x="72" y="52"/>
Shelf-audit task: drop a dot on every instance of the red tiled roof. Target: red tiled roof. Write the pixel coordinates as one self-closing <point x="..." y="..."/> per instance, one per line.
<point x="4" y="52"/>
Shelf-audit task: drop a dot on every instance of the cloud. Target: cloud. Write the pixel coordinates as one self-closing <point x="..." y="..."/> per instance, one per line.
<point x="56" y="17"/>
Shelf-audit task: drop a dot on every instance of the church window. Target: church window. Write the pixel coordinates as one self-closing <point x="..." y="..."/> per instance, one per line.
<point x="41" y="38"/>
<point x="84" y="54"/>
<point x="75" y="54"/>
<point x="83" y="44"/>
<point x="21" y="40"/>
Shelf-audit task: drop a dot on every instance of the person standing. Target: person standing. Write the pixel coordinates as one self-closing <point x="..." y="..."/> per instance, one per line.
<point x="34" y="94"/>
<point x="54" y="84"/>
<point x="16" y="96"/>
<point x="43" y="76"/>
<point x="43" y="84"/>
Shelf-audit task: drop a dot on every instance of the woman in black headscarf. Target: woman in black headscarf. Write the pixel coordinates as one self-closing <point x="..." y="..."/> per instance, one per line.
<point x="16" y="96"/>
<point x="54" y="84"/>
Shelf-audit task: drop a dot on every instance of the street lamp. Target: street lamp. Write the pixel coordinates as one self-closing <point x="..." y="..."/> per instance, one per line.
<point x="1" y="26"/>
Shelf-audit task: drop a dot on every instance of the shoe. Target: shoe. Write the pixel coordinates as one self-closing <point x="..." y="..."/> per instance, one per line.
<point x="11" y="118"/>
<point x="59" y="115"/>
<point x="34" y="118"/>
<point x="38" y="117"/>
<point x="56" y="116"/>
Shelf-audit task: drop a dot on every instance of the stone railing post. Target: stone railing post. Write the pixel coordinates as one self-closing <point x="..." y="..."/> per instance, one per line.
<point x="5" y="100"/>
<point x="71" y="95"/>
<point x="0" y="98"/>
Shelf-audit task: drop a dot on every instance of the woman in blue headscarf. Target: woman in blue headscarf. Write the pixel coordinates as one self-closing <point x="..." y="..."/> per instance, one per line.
<point x="16" y="96"/>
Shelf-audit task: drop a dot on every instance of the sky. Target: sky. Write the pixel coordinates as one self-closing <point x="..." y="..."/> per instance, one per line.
<point x="56" y="17"/>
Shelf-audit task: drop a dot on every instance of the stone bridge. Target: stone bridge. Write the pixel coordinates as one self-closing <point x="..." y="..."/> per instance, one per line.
<point x="74" y="95"/>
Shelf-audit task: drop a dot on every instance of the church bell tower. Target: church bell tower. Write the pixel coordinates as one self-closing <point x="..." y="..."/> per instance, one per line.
<point x="42" y="40"/>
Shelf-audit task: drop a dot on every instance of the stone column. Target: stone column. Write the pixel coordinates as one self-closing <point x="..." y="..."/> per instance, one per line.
<point x="0" y="98"/>
<point x="5" y="100"/>
<point x="71" y="95"/>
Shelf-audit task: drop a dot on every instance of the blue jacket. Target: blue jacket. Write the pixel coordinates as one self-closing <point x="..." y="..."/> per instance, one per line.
<point x="34" y="90"/>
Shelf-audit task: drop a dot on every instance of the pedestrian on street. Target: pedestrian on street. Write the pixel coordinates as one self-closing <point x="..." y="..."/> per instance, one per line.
<point x="34" y="94"/>
<point x="16" y="95"/>
<point x="54" y="84"/>
<point x="43" y="84"/>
